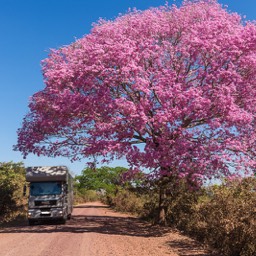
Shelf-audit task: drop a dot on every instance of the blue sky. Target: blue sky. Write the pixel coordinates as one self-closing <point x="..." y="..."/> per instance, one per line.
<point x="28" y="29"/>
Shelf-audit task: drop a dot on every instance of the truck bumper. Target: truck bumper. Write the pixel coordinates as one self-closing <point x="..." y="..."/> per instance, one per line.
<point x="40" y="213"/>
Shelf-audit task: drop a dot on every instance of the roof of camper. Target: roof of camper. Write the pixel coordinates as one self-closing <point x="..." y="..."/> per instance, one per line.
<point x="46" y="173"/>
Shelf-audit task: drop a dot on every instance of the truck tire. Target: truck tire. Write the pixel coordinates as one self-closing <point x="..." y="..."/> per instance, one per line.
<point x="64" y="218"/>
<point x="63" y="221"/>
<point x="31" y="222"/>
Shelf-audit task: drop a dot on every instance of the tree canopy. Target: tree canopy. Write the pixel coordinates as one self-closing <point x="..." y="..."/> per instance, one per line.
<point x="172" y="89"/>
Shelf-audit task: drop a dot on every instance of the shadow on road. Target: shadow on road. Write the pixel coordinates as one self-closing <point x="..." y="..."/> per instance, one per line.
<point x="103" y="224"/>
<point x="109" y="223"/>
<point x="92" y="206"/>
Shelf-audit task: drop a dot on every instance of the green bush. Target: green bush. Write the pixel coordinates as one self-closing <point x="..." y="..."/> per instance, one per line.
<point x="150" y="207"/>
<point x="12" y="180"/>
<point x="180" y="205"/>
<point x="126" y="201"/>
<point x="83" y="195"/>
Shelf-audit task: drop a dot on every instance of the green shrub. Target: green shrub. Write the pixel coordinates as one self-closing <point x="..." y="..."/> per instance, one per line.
<point x="126" y="201"/>
<point x="83" y="195"/>
<point x="180" y="205"/>
<point x="12" y="180"/>
<point x="150" y="207"/>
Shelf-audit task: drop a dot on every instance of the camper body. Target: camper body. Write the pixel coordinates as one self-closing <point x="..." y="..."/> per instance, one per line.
<point x="50" y="193"/>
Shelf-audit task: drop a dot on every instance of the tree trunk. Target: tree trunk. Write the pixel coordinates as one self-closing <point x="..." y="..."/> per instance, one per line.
<point x="162" y="207"/>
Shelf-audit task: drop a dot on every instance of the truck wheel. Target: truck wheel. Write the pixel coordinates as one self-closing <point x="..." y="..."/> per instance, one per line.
<point x="31" y="222"/>
<point x="63" y="221"/>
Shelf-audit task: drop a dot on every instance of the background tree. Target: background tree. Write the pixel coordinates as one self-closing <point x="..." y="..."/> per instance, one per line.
<point x="172" y="89"/>
<point x="103" y="178"/>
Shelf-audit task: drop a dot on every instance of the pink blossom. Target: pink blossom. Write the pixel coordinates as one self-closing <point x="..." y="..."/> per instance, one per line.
<point x="169" y="88"/>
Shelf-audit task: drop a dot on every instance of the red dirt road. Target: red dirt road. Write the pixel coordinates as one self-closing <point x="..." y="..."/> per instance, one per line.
<point x="95" y="230"/>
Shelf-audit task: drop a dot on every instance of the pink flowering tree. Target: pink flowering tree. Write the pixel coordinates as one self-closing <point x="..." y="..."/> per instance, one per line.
<point x="173" y="89"/>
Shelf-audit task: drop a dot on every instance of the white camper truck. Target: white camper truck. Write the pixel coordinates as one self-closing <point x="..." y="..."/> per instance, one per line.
<point x="50" y="193"/>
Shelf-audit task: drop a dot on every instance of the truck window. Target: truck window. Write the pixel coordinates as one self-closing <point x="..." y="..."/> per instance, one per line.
<point x="45" y="188"/>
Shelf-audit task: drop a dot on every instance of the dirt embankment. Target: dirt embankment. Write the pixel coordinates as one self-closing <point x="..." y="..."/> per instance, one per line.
<point x="96" y="230"/>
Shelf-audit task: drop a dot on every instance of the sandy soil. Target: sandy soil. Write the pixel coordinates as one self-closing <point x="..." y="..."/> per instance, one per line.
<point x="95" y="230"/>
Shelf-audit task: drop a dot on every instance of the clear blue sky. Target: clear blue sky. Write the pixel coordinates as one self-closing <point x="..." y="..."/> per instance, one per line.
<point x="28" y="29"/>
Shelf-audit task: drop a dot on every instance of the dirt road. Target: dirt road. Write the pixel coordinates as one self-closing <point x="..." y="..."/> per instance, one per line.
<point x="95" y="230"/>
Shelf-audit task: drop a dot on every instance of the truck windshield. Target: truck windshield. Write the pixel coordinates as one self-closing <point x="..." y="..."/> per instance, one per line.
<point x="45" y="188"/>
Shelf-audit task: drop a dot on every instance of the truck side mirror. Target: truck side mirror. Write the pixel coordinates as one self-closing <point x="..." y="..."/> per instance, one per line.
<point x="24" y="190"/>
<point x="66" y="188"/>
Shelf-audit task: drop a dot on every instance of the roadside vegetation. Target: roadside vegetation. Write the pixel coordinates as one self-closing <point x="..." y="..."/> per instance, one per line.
<point x="96" y="184"/>
<point x="221" y="216"/>
<point x="12" y="180"/>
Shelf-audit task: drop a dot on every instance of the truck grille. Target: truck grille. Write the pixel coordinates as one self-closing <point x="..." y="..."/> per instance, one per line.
<point x="45" y="202"/>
